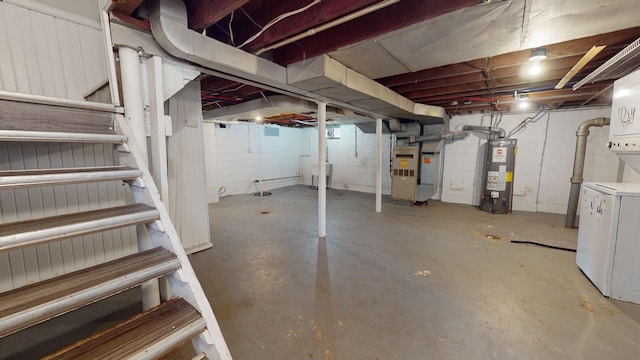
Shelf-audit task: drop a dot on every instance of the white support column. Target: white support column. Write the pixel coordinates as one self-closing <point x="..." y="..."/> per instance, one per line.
<point x="159" y="125"/>
<point x="379" y="165"/>
<point x="322" y="171"/>
<point x="134" y="113"/>
<point x="132" y="93"/>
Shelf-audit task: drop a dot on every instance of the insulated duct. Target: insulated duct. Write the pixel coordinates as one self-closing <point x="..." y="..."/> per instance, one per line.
<point x="578" y="167"/>
<point x="487" y="129"/>
<point x="452" y="135"/>
<point x="320" y="78"/>
<point x="169" y="26"/>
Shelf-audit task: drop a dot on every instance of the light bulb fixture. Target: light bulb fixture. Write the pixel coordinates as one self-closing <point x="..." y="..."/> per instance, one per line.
<point x="538" y="54"/>
<point x="535" y="68"/>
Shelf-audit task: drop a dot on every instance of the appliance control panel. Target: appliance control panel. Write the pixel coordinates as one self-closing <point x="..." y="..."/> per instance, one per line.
<point x="624" y="130"/>
<point x="627" y="145"/>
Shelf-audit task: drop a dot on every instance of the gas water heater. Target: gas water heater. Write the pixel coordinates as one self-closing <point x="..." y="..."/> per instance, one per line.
<point x="497" y="193"/>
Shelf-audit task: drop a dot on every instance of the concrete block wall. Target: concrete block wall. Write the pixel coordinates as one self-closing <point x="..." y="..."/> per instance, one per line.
<point x="544" y="162"/>
<point x="239" y="154"/>
<point x="353" y="156"/>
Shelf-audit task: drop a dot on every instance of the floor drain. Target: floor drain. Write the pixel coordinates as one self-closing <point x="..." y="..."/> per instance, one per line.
<point x="262" y="193"/>
<point x="492" y="237"/>
<point x="264" y="212"/>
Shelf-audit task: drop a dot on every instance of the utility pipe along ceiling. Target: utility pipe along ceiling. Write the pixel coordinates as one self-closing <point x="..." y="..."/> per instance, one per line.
<point x="467" y="56"/>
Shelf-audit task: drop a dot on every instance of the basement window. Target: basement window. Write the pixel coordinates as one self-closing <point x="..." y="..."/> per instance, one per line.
<point x="333" y="131"/>
<point x="271" y="131"/>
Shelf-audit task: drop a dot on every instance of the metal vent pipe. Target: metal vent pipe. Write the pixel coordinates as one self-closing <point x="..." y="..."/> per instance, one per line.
<point x="578" y="167"/>
<point x="487" y="129"/>
<point x="454" y="135"/>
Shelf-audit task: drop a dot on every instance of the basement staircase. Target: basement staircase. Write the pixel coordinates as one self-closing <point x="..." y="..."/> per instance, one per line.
<point x="177" y="310"/>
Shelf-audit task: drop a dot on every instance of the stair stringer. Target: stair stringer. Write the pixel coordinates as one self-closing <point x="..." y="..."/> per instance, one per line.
<point x="184" y="282"/>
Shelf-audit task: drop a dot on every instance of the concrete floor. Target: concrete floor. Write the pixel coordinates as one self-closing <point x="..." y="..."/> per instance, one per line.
<point x="410" y="283"/>
<point x="440" y="281"/>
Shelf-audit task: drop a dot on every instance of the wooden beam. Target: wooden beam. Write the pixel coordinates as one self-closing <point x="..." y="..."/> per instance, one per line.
<point x="436" y="83"/>
<point x="125" y="6"/>
<point x="595" y="50"/>
<point x="561" y="55"/>
<point x="123" y="19"/>
<point x="468" y="67"/>
<point x="394" y="17"/>
<point x="323" y="12"/>
<point x="204" y="13"/>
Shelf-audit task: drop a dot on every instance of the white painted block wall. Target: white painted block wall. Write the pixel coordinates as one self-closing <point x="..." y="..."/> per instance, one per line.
<point x="544" y="163"/>
<point x="239" y="154"/>
<point x="353" y="159"/>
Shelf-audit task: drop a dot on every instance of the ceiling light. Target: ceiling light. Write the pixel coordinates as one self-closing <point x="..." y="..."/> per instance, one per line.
<point x="535" y="68"/>
<point x="523" y="104"/>
<point x="538" y="54"/>
<point x="258" y="119"/>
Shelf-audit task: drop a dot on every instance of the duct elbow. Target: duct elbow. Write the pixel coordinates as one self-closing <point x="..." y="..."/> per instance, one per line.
<point x="583" y="129"/>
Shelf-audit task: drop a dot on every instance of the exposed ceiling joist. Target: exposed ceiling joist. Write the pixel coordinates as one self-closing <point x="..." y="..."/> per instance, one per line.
<point x="323" y="12"/>
<point x="434" y="73"/>
<point x="125" y="6"/>
<point x="574" y="48"/>
<point x="204" y="13"/>
<point x="595" y="50"/>
<point x="399" y="15"/>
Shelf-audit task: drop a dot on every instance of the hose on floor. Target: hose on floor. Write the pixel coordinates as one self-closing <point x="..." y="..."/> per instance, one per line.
<point x="544" y="245"/>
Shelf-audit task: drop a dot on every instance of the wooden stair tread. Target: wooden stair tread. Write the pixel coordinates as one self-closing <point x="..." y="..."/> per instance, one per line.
<point x="30" y="232"/>
<point x="146" y="335"/>
<point x="20" y="115"/>
<point x="32" y="304"/>
<point x="12" y="179"/>
<point x="46" y="136"/>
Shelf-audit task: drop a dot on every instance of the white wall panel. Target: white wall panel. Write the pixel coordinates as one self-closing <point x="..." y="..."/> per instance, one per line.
<point x="47" y="55"/>
<point x="244" y="154"/>
<point x="186" y="169"/>
<point x="22" y="267"/>
<point x="353" y="159"/>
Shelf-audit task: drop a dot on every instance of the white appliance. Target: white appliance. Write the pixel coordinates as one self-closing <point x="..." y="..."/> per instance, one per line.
<point x="624" y="131"/>
<point x="609" y="238"/>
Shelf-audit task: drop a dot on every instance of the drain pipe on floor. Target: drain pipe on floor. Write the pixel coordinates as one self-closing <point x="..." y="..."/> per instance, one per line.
<point x="578" y="167"/>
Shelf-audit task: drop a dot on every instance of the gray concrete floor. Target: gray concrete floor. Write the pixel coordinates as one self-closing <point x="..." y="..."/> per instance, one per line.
<point x="440" y="281"/>
<point x="410" y="283"/>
